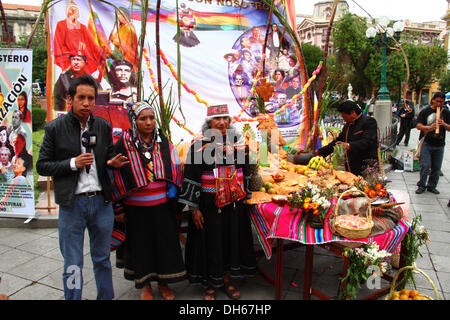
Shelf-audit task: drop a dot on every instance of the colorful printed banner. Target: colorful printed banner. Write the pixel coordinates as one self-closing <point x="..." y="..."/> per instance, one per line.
<point x="221" y="47"/>
<point x="16" y="160"/>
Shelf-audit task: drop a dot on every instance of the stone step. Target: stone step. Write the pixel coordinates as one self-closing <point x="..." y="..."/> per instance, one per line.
<point x="46" y="215"/>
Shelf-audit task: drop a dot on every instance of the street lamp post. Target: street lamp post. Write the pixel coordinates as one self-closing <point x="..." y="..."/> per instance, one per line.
<point x="383" y="35"/>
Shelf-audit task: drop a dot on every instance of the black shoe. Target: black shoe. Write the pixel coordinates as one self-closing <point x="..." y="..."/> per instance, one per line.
<point x="433" y="190"/>
<point x="441" y="174"/>
<point x="420" y="190"/>
<point x="448" y="204"/>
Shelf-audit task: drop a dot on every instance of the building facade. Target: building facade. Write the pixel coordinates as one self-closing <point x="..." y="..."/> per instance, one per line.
<point x="313" y="29"/>
<point x="20" y="21"/>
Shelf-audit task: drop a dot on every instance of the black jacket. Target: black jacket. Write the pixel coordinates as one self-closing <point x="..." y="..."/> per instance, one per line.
<point x="363" y="138"/>
<point x="61" y="143"/>
<point x="407" y="119"/>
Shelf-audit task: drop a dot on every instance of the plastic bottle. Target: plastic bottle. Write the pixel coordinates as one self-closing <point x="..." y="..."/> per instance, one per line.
<point x="263" y="155"/>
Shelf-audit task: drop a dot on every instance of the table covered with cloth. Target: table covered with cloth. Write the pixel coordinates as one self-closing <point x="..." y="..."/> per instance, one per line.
<point x="272" y="221"/>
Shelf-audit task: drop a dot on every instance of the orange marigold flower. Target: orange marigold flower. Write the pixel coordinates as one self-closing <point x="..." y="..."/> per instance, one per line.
<point x="316" y="212"/>
<point x="306" y="205"/>
<point x="308" y="199"/>
<point x="314" y="205"/>
<point x="372" y="194"/>
<point x="379" y="186"/>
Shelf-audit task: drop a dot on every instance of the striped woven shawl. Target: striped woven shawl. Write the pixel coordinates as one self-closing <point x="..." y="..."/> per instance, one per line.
<point x="166" y="165"/>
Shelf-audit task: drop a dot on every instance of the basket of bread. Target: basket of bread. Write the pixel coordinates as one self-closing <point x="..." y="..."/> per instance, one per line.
<point x="352" y="225"/>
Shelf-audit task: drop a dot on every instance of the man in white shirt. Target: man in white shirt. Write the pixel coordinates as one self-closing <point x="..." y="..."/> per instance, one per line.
<point x="76" y="151"/>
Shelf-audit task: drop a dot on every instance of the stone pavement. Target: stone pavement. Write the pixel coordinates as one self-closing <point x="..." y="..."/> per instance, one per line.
<point x="31" y="263"/>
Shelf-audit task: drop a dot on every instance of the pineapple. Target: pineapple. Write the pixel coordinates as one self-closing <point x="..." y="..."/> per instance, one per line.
<point x="256" y="181"/>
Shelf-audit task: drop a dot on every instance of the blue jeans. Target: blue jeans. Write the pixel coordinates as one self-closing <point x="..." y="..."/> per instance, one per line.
<point x="430" y="165"/>
<point x="98" y="217"/>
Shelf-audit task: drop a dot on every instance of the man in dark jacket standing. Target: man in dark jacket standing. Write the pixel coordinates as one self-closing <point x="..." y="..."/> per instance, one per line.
<point x="359" y="138"/>
<point x="406" y="115"/>
<point x="75" y="151"/>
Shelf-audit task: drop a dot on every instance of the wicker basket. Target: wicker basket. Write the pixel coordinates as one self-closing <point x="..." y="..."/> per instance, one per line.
<point x="394" y="283"/>
<point x="354" y="233"/>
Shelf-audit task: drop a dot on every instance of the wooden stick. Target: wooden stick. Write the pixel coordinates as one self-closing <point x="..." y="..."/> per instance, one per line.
<point x="438" y="116"/>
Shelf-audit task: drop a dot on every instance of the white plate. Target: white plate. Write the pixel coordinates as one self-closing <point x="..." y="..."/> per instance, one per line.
<point x="380" y="201"/>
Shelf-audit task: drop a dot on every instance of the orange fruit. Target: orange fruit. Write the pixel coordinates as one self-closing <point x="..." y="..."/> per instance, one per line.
<point x="396" y="298"/>
<point x="404" y="297"/>
<point x="404" y="291"/>
<point x="414" y="293"/>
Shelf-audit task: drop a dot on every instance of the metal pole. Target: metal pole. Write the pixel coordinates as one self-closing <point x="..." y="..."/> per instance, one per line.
<point x="383" y="93"/>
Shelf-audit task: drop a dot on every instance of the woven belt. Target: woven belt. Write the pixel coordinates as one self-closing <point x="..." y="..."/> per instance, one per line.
<point x="89" y="194"/>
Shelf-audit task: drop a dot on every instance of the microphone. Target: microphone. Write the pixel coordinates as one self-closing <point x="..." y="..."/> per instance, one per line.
<point x="88" y="141"/>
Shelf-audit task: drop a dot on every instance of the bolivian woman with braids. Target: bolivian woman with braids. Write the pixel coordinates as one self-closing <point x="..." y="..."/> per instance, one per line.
<point x="145" y="188"/>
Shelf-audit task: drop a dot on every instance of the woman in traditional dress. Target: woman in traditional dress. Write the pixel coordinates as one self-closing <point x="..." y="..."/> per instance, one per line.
<point x="146" y="188"/>
<point x="219" y="242"/>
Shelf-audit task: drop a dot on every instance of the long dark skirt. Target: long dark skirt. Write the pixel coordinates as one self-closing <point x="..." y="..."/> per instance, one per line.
<point x="152" y="250"/>
<point x="225" y="244"/>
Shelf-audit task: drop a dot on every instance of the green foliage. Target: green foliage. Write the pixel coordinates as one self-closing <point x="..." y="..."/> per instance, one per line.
<point x="353" y="51"/>
<point x="444" y="82"/>
<point x="359" y="61"/>
<point x="164" y="113"/>
<point x="260" y="103"/>
<point x="426" y="63"/>
<point x="38" y="136"/>
<point x="414" y="240"/>
<point x="313" y="55"/>
<point x="38" y="118"/>
<point x="39" y="47"/>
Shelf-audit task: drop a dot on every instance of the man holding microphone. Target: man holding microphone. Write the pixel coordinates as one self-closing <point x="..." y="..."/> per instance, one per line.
<point x="76" y="150"/>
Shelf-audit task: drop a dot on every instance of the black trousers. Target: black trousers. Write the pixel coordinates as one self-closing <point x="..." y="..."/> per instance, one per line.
<point x="405" y="130"/>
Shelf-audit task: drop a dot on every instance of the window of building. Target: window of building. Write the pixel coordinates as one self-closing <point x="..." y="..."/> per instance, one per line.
<point x="425" y="97"/>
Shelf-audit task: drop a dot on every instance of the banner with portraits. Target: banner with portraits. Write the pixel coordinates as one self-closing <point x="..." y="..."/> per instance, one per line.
<point x="16" y="150"/>
<point x="221" y="45"/>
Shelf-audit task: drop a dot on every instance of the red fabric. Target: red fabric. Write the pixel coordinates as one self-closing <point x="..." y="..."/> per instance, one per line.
<point x="67" y="41"/>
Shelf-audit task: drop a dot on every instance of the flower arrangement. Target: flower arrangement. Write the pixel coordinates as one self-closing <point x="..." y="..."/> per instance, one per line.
<point x="374" y="183"/>
<point x="414" y="239"/>
<point x="360" y="268"/>
<point x="312" y="200"/>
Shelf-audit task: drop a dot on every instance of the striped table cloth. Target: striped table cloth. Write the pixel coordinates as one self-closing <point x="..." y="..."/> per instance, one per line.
<point x="279" y="222"/>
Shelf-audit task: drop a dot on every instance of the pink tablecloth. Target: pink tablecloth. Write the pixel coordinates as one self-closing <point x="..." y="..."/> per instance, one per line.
<point x="279" y="222"/>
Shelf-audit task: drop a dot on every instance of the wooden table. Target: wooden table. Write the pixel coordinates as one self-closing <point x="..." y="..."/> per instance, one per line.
<point x="278" y="223"/>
